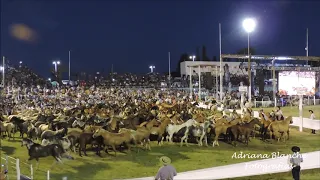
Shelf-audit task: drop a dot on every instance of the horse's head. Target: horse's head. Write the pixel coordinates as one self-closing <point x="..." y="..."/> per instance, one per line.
<point x="97" y="133"/>
<point x="289" y="118"/>
<point x="26" y="142"/>
<point x="256" y="121"/>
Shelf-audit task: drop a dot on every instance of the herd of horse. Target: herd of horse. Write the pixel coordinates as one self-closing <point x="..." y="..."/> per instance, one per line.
<point x="56" y="132"/>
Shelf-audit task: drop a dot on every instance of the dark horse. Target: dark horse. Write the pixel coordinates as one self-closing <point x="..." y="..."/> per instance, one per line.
<point x="21" y="125"/>
<point x="37" y="151"/>
<point x="87" y="138"/>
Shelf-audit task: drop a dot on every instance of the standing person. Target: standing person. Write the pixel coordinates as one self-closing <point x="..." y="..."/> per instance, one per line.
<point x="295" y="160"/>
<point x="167" y="171"/>
<point x="279" y="114"/>
<point x="312" y="117"/>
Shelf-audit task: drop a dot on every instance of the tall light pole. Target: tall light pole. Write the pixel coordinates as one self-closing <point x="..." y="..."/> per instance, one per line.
<point x="220" y="69"/>
<point x="192" y="57"/>
<point x="169" y="69"/>
<point x="56" y="63"/>
<point x="190" y="81"/>
<point x="20" y="63"/>
<point x="69" y="66"/>
<point x="274" y="83"/>
<point x="249" y="25"/>
<point x="3" y="71"/>
<point x="151" y="68"/>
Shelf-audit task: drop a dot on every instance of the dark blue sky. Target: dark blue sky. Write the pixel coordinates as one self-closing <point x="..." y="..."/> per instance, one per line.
<point x="135" y="34"/>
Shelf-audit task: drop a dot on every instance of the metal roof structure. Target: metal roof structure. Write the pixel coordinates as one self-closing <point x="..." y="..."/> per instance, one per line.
<point x="270" y="57"/>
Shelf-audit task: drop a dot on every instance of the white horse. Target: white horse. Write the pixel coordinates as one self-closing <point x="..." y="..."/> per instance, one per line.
<point x="78" y="123"/>
<point x="172" y="129"/>
<point x="200" y="132"/>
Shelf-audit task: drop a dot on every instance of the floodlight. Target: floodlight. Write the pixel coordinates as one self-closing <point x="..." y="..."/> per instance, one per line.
<point x="249" y="25"/>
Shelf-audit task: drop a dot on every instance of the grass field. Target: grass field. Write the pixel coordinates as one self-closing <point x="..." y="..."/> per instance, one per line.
<point x="310" y="174"/>
<point x="146" y="163"/>
<point x="294" y="111"/>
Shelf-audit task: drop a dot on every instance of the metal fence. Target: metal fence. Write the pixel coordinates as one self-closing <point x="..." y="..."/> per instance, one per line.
<point x="16" y="169"/>
<point x="306" y="102"/>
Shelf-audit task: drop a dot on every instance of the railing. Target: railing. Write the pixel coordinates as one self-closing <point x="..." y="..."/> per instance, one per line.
<point x="14" y="168"/>
<point x="307" y="102"/>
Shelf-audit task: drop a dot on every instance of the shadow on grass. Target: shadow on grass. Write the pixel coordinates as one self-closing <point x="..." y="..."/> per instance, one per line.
<point x="8" y="150"/>
<point x="151" y="158"/>
<point x="84" y="172"/>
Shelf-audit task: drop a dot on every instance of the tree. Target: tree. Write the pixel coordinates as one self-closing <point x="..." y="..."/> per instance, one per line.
<point x="198" y="58"/>
<point x="183" y="57"/>
<point x="204" y="54"/>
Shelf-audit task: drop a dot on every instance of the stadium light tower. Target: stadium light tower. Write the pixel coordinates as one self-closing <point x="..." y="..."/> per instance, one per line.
<point x="56" y="63"/>
<point x="192" y="57"/>
<point x="151" y="68"/>
<point x="249" y="25"/>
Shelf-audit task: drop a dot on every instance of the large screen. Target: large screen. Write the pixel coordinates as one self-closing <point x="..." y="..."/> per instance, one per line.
<point x="297" y="83"/>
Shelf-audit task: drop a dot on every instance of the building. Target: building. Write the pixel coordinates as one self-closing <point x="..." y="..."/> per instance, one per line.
<point x="211" y="66"/>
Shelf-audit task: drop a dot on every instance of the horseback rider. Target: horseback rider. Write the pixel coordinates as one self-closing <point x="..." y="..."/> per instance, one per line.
<point x="279" y="114"/>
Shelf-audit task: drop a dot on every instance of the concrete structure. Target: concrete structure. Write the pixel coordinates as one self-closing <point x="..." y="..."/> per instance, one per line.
<point x="209" y="66"/>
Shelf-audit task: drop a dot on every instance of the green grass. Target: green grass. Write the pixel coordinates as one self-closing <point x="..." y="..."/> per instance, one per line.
<point x="310" y="174"/>
<point x="294" y="111"/>
<point x="145" y="163"/>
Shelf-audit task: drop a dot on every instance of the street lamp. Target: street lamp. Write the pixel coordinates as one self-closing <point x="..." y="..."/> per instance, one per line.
<point x="20" y="63"/>
<point x="151" y="68"/>
<point x="56" y="63"/>
<point x="249" y="25"/>
<point x="49" y="79"/>
<point x="192" y="57"/>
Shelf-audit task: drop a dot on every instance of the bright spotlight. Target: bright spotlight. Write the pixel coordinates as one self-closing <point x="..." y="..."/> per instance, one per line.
<point x="249" y="25"/>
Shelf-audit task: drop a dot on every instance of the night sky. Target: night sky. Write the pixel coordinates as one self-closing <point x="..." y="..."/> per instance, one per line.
<point x="132" y="35"/>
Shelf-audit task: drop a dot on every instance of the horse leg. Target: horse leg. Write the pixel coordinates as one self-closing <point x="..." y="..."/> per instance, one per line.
<point x="114" y="149"/>
<point x="206" y="140"/>
<point x="85" y="150"/>
<point x="37" y="163"/>
<point x="201" y="139"/>
<point x="80" y="149"/>
<point x="148" y="144"/>
<point x="170" y="137"/>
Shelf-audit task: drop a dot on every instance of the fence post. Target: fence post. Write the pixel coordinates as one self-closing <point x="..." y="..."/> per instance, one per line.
<point x="7" y="166"/>
<point x="18" y="168"/>
<point x="314" y="100"/>
<point x="31" y="170"/>
<point x="48" y="175"/>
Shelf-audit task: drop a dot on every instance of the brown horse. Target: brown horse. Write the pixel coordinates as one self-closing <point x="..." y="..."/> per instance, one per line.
<point x="244" y="129"/>
<point x="222" y="129"/>
<point x="280" y="128"/>
<point x="114" y="139"/>
<point x="139" y="136"/>
<point x="91" y="128"/>
<point x="159" y="131"/>
<point x="264" y="127"/>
